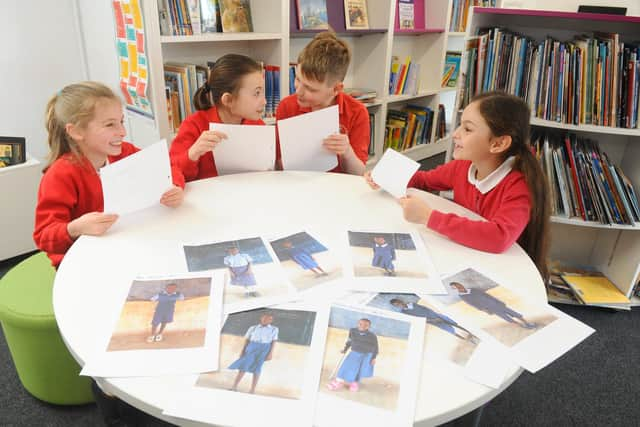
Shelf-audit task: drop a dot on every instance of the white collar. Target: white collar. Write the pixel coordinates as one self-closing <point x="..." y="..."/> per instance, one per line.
<point x="490" y="181"/>
<point x="409" y="306"/>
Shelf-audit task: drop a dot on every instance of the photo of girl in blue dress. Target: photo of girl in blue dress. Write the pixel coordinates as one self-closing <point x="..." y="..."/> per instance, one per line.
<point x="165" y="308"/>
<point x="240" y="270"/>
<point x="387" y="255"/>
<point x="272" y="344"/>
<point x="251" y="277"/>
<point x="306" y="262"/>
<point x="163" y="313"/>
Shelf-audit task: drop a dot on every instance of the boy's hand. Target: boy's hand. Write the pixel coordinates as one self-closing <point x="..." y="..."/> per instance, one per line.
<point x="91" y="224"/>
<point x="338" y="143"/>
<point x="373" y="362"/>
<point x="372" y="184"/>
<point x="173" y="197"/>
<point x="206" y="142"/>
<point x="415" y="210"/>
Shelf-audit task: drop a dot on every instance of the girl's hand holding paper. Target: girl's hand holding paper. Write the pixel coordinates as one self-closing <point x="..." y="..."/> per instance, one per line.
<point x="393" y="173"/>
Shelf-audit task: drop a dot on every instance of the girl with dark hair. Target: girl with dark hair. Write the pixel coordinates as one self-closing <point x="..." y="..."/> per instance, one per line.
<point x="233" y="94"/>
<point x="495" y="174"/>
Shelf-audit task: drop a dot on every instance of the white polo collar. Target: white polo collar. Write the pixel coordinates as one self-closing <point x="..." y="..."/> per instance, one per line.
<point x="488" y="183"/>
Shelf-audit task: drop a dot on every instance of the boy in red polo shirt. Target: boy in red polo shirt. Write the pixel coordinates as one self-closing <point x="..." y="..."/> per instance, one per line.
<point x="322" y="66"/>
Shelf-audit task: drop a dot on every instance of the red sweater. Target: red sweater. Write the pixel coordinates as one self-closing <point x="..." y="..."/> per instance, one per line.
<point x="506" y="207"/>
<point x="353" y="118"/>
<point x="69" y="189"/>
<point x="189" y="132"/>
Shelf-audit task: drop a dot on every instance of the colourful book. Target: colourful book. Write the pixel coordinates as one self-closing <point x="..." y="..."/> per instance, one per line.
<point x="595" y="290"/>
<point x="312" y="14"/>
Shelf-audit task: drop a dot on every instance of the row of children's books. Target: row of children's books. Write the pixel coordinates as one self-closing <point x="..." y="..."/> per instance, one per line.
<point x="460" y="12"/>
<point x="183" y="79"/>
<point x="584" y="286"/>
<point x="589" y="80"/>
<point x="584" y="182"/>
<point x="413" y="125"/>
<point x="405" y="77"/>
<point x="190" y="17"/>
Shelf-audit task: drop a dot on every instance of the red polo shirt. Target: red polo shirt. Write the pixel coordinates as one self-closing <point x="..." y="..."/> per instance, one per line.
<point x="353" y="118"/>
<point x="190" y="130"/>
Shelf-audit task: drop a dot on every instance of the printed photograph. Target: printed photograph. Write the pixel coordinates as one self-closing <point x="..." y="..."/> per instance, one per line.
<point x="364" y="357"/>
<point x="443" y="335"/>
<point x="356" y="17"/>
<point x="386" y="255"/>
<point x="306" y="261"/>
<point x="494" y="308"/>
<point x="263" y="352"/>
<point x="163" y="314"/>
<point x="312" y="14"/>
<point x="250" y="272"/>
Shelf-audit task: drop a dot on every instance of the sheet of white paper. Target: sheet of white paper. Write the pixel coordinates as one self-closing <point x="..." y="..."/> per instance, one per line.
<point x="190" y="340"/>
<point x="397" y="366"/>
<point x="301" y="140"/>
<point x="286" y="392"/>
<point x="137" y="181"/>
<point x="400" y="263"/>
<point x="246" y="149"/>
<point x="531" y="335"/>
<point x="393" y="172"/>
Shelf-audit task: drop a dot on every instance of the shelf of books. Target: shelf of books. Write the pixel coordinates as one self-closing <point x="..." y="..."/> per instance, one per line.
<point x="185" y="38"/>
<point x="579" y="74"/>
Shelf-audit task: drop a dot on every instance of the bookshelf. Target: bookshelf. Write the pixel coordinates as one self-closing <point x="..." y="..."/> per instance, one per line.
<point x="614" y="249"/>
<point x="18" y="220"/>
<point x="277" y="40"/>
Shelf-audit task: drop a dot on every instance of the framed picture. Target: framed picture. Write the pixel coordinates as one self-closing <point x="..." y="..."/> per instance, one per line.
<point x="355" y="15"/>
<point x="12" y="150"/>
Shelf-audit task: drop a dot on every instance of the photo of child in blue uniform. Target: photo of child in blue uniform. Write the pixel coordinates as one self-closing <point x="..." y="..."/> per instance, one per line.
<point x="259" y="343"/>
<point x="164" y="311"/>
<point x="432" y="317"/>
<point x="361" y="359"/>
<point x="480" y="300"/>
<point x="303" y="258"/>
<point x="239" y="265"/>
<point x="383" y="256"/>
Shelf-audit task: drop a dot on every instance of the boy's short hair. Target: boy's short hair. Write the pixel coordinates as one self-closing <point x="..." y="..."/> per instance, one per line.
<point x="325" y="59"/>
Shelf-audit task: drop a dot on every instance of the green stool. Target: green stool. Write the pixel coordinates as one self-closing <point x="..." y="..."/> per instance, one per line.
<point x="44" y="365"/>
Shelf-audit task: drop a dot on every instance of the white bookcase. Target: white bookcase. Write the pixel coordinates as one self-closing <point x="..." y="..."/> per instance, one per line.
<point x="276" y="41"/>
<point x="18" y="217"/>
<point x="613" y="249"/>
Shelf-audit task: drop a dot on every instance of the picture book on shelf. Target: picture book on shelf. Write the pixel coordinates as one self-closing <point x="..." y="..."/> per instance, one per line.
<point x="235" y="16"/>
<point x="210" y="21"/>
<point x="12" y="151"/>
<point x="406" y="14"/>
<point x="312" y="14"/>
<point x="356" y="15"/>
<point x="595" y="289"/>
<point x="451" y="69"/>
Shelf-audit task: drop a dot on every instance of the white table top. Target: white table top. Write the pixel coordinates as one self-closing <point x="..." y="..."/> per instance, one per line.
<point x="246" y="205"/>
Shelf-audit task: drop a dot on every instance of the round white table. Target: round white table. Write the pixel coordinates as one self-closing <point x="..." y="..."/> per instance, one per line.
<point x="234" y="206"/>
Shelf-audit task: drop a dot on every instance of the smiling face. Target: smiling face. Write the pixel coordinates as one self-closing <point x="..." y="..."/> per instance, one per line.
<point x="248" y="102"/>
<point x="313" y="94"/>
<point x="472" y="140"/>
<point x="363" y="325"/>
<point x="102" y="135"/>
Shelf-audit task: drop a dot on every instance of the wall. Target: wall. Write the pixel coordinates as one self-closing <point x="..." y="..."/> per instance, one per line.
<point x="40" y="54"/>
<point x="98" y="28"/>
<point x="633" y="6"/>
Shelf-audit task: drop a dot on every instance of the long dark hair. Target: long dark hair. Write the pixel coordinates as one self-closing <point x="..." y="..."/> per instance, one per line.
<point x="224" y="77"/>
<point x="509" y="115"/>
